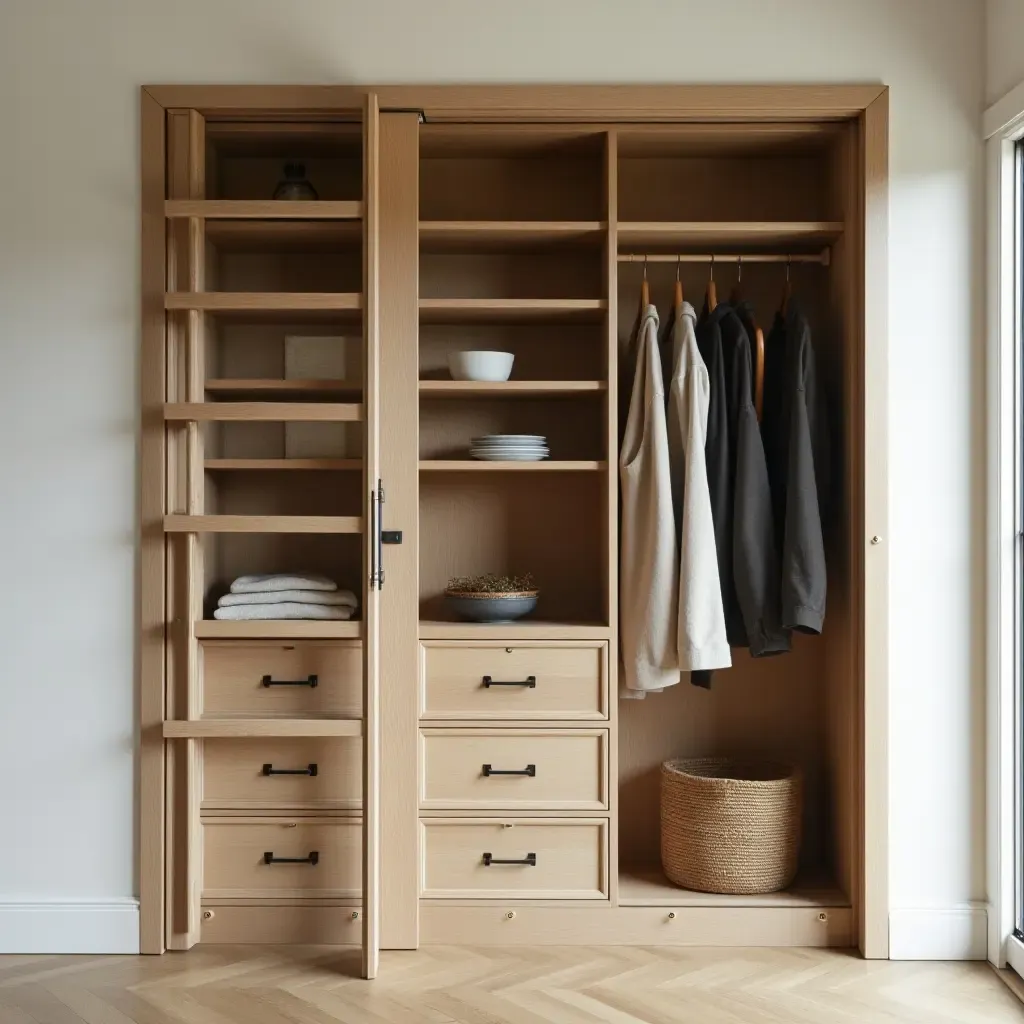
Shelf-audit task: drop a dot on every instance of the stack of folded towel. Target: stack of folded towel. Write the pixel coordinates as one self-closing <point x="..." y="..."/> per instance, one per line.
<point x="297" y="596"/>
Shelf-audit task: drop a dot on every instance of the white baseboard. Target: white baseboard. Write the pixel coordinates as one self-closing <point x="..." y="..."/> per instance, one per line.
<point x="79" y="926"/>
<point x="939" y="933"/>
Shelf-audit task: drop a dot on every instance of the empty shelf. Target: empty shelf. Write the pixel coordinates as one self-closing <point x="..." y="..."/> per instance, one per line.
<point x="648" y="887"/>
<point x="240" y="728"/>
<point x="269" y="306"/>
<point x="509" y="388"/>
<point x="544" y="465"/>
<point x="277" y="629"/>
<point x="263" y="412"/>
<point x="263" y="524"/>
<point x="796" y="236"/>
<point x="262" y="388"/>
<point x="526" y="311"/>
<point x="283" y="464"/>
<point x="263" y="209"/>
<point x="506" y="235"/>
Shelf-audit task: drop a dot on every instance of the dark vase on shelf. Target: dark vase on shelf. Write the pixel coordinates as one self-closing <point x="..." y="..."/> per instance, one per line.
<point x="295" y="186"/>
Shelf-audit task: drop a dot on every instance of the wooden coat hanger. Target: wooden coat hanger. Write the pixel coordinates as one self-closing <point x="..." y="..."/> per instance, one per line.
<point x="645" y="290"/>
<point x="757" y="340"/>
<point x="711" y="295"/>
<point x="677" y="293"/>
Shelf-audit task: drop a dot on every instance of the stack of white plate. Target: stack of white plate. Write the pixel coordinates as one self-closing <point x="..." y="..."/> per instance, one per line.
<point x="510" y="448"/>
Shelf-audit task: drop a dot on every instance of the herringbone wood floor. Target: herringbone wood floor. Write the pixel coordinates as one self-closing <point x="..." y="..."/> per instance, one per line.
<point x="577" y="985"/>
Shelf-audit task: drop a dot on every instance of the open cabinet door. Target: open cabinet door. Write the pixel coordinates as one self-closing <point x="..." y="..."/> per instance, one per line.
<point x="373" y="578"/>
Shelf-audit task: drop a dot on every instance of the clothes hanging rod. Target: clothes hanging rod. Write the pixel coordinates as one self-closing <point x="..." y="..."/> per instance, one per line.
<point x="823" y="257"/>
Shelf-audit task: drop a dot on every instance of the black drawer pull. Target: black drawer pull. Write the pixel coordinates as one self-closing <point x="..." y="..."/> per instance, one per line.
<point x="530" y="860"/>
<point x="269" y="769"/>
<point x="312" y="681"/>
<point x="313" y="858"/>
<point x="530" y="769"/>
<point x="530" y="681"/>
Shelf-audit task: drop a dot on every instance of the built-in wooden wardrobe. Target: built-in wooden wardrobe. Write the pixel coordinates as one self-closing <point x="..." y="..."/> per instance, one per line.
<point x="512" y="218"/>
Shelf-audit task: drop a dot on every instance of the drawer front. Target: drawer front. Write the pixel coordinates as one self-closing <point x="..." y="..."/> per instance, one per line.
<point x="462" y="858"/>
<point x="235" y="865"/>
<point x="282" y="925"/>
<point x="471" y="681"/>
<point x="235" y="678"/>
<point x="259" y="774"/>
<point x="556" y="769"/>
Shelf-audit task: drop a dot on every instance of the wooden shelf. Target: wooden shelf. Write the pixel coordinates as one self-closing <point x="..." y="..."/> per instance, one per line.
<point x="784" y="236"/>
<point x="648" y="887"/>
<point x="531" y="629"/>
<point x="241" y="728"/>
<point x="263" y="209"/>
<point x="270" y="306"/>
<point x="301" y="236"/>
<point x="263" y="412"/>
<point x="506" y="235"/>
<point x="278" y="629"/>
<point x="260" y="388"/>
<point x="481" y="466"/>
<point x="334" y="465"/>
<point x="263" y="524"/>
<point x="523" y="311"/>
<point x="509" y="388"/>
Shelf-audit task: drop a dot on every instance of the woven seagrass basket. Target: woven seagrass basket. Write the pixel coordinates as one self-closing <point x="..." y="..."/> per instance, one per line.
<point x="730" y="826"/>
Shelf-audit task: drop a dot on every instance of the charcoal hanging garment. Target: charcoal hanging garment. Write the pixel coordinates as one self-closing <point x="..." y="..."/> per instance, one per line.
<point x="795" y="431"/>
<point x="741" y="508"/>
<point x="701" y="640"/>
<point x="649" y="570"/>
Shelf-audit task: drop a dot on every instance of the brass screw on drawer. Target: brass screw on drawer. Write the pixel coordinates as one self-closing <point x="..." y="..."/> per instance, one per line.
<point x="355" y="915"/>
<point x="671" y="915"/>
<point x="510" y="916"/>
<point x="823" y="917"/>
<point x="207" y="915"/>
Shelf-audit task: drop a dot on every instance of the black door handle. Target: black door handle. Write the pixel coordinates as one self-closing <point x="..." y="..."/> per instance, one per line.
<point x="530" y="681"/>
<point x="311" y="681"/>
<point x="530" y="860"/>
<point x="530" y="769"/>
<point x="269" y="769"/>
<point x="313" y="858"/>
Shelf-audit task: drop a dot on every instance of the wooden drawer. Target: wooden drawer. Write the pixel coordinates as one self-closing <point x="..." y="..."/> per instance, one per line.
<point x="463" y="680"/>
<point x="234" y="677"/>
<point x="282" y="925"/>
<point x="235" y="866"/>
<point x="563" y="769"/>
<point x="570" y="858"/>
<point x="236" y="775"/>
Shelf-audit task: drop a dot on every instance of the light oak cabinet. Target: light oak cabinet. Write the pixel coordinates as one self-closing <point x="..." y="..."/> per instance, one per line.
<point x="405" y="777"/>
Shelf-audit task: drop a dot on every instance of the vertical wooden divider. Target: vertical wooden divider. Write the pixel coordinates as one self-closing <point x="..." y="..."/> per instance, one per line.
<point x="399" y="369"/>
<point x="152" y="498"/>
<point x="611" y="274"/>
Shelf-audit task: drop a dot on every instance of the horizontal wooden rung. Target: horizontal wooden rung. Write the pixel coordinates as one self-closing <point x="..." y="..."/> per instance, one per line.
<point x="274" y="412"/>
<point x="277" y="629"/>
<point x="509" y="388"/>
<point x="263" y="524"/>
<point x="502" y="235"/>
<point x="259" y="388"/>
<point x="249" y="465"/>
<point x="510" y="310"/>
<point x="263" y="209"/>
<point x="241" y="728"/>
<point x="484" y="466"/>
<point x="264" y="302"/>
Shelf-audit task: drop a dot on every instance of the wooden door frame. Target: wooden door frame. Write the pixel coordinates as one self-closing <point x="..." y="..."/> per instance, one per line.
<point x="865" y="104"/>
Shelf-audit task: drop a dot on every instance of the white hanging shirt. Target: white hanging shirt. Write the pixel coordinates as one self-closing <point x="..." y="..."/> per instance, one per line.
<point x="649" y="571"/>
<point x="700" y="639"/>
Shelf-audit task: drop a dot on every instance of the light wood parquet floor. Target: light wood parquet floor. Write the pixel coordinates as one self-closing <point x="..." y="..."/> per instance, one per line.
<point x="441" y="985"/>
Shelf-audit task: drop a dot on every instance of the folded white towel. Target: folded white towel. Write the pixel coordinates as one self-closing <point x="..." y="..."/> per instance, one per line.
<point x="285" y="581"/>
<point x="343" y="598"/>
<point x="284" y="610"/>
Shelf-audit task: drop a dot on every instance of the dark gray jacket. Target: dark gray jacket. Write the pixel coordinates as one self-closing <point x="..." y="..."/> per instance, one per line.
<point x="796" y="443"/>
<point x="740" y="494"/>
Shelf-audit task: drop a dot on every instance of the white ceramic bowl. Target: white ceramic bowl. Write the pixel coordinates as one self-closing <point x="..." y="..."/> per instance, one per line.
<point x="480" y="365"/>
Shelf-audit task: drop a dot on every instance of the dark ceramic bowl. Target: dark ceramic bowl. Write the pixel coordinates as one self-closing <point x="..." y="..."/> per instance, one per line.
<point x="495" y="608"/>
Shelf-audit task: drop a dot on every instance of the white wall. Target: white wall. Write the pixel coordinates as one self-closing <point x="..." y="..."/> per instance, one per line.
<point x="1004" y="68"/>
<point x="69" y="72"/>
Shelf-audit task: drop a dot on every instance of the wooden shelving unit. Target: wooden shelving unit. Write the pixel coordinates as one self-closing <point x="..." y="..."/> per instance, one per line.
<point x="513" y="311"/>
<point x="262" y="524"/>
<point x="254" y="304"/>
<point x="263" y="412"/>
<point x="261" y="210"/>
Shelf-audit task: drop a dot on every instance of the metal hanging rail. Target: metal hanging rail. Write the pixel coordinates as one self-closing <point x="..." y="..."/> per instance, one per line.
<point x="823" y="257"/>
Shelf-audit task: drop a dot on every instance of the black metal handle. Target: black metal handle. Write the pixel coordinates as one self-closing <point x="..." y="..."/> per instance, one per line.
<point x="530" y="681"/>
<point x="269" y="769"/>
<point x="530" y="769"/>
<point x="312" y="681"/>
<point x="530" y="860"/>
<point x="313" y="858"/>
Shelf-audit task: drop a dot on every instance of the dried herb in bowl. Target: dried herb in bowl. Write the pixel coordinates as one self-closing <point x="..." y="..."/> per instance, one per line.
<point x="492" y="583"/>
